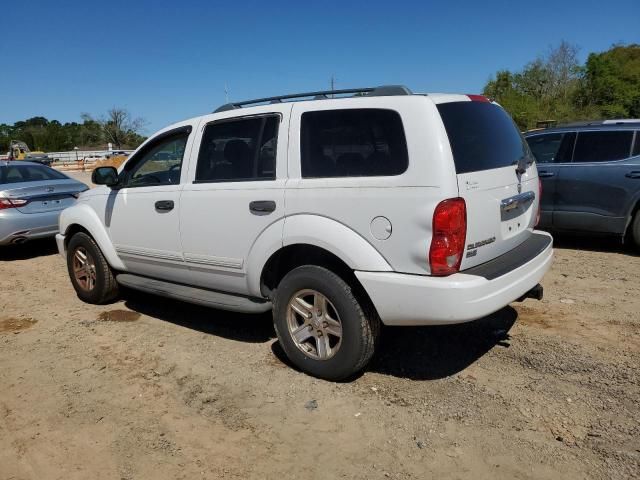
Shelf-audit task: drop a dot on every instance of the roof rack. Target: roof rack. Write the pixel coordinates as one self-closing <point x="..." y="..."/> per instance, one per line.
<point x="384" y="90"/>
<point x="587" y="123"/>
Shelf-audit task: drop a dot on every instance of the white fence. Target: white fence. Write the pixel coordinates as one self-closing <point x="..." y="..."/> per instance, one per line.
<point x="74" y="156"/>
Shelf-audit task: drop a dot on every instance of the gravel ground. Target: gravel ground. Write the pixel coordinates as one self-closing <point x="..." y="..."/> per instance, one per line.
<point x="153" y="388"/>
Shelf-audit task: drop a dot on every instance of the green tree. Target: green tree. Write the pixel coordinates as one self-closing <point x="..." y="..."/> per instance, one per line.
<point x="612" y="82"/>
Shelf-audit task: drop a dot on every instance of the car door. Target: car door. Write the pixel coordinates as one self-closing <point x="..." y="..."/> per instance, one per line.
<point x="235" y="195"/>
<point x="552" y="151"/>
<point x="593" y="192"/>
<point x="142" y="215"/>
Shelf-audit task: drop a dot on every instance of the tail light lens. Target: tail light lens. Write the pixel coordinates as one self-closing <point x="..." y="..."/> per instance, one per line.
<point x="449" y="235"/>
<point x="12" y="203"/>
<point x="539" y="202"/>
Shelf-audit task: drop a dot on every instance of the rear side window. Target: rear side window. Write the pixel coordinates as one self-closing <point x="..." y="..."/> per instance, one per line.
<point x="28" y="173"/>
<point x="603" y="146"/>
<point x="552" y="147"/>
<point x="636" y="147"/>
<point x="352" y="143"/>
<point x="482" y="136"/>
<point x="241" y="149"/>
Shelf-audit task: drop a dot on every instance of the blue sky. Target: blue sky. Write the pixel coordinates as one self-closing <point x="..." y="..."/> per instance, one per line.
<point x="167" y="63"/>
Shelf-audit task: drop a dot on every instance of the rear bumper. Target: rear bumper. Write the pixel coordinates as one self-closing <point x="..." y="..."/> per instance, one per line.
<point x="403" y="299"/>
<point x="16" y="227"/>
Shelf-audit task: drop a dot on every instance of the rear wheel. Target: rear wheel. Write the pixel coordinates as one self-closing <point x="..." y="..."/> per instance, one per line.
<point x="89" y="271"/>
<point x="321" y="325"/>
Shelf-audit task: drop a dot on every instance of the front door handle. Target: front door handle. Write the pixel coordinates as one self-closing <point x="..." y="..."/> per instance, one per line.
<point x="164" y="205"/>
<point x="544" y="174"/>
<point x="635" y="174"/>
<point x="262" y="207"/>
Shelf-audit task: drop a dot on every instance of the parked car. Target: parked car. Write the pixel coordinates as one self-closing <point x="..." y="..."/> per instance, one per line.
<point x="338" y="214"/>
<point x="591" y="177"/>
<point x="31" y="198"/>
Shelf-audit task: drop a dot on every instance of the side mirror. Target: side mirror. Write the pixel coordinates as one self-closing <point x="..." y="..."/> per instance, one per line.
<point x="105" y="176"/>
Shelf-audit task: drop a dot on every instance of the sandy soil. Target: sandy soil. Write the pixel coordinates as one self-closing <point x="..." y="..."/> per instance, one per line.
<point x="152" y="388"/>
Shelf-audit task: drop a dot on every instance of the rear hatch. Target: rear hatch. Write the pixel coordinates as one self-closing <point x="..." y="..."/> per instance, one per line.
<point x="43" y="196"/>
<point x="496" y="177"/>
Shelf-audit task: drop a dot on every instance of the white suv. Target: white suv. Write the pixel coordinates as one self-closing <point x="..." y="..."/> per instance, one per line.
<point x="337" y="213"/>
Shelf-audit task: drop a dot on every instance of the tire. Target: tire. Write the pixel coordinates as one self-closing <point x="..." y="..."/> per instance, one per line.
<point x="359" y="329"/>
<point x="96" y="283"/>
<point x="635" y="230"/>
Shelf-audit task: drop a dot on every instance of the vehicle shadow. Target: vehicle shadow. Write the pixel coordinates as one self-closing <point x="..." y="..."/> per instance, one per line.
<point x="434" y="352"/>
<point x="417" y="353"/>
<point x="234" y="326"/>
<point x="28" y="250"/>
<point x="593" y="243"/>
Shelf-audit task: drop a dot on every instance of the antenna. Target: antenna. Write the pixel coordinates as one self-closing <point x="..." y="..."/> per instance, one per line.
<point x="226" y="93"/>
<point x="333" y="83"/>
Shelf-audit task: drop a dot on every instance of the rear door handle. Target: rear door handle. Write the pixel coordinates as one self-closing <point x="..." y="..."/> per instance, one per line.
<point x="262" y="207"/>
<point x="635" y="174"/>
<point x="544" y="174"/>
<point x="164" y="205"/>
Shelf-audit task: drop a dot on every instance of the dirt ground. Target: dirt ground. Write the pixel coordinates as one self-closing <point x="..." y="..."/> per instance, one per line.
<point x="152" y="388"/>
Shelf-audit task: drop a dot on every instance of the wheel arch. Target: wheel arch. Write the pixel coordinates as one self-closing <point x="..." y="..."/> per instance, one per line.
<point x="82" y="218"/>
<point x="320" y="237"/>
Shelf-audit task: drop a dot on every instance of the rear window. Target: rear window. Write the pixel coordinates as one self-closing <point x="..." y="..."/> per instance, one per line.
<point x="353" y="143"/>
<point x="28" y="173"/>
<point x="482" y="136"/>
<point x="603" y="146"/>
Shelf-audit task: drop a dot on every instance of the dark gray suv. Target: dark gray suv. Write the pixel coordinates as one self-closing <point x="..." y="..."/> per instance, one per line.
<point x="590" y="175"/>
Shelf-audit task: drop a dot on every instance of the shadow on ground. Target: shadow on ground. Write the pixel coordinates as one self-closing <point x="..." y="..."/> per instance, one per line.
<point x="28" y="250"/>
<point x="592" y="243"/>
<point x="431" y="353"/>
<point x="418" y="353"/>
<point x="230" y="325"/>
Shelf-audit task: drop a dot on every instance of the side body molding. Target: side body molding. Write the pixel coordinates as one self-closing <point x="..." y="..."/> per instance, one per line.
<point x="83" y="215"/>
<point x="318" y="231"/>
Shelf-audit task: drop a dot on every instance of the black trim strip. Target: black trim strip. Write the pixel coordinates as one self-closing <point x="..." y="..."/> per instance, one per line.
<point x="523" y="253"/>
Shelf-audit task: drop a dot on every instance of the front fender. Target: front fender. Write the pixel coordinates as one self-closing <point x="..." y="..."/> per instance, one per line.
<point x="83" y="215"/>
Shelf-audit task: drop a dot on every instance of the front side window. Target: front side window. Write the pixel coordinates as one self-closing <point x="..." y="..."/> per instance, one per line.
<point x="352" y="143"/>
<point x="603" y="146"/>
<point x="552" y="147"/>
<point x="160" y="163"/>
<point x="242" y="149"/>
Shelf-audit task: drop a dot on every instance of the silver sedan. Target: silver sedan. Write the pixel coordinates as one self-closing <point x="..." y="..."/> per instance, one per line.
<point x="32" y="196"/>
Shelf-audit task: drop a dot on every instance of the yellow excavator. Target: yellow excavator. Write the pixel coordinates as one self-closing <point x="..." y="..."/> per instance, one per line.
<point x="18" y="150"/>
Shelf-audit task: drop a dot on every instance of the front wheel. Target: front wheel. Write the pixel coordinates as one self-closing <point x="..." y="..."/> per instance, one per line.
<point x="89" y="271"/>
<point x="321" y="325"/>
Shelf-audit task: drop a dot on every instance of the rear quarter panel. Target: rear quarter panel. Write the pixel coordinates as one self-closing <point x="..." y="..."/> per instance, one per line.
<point x="407" y="201"/>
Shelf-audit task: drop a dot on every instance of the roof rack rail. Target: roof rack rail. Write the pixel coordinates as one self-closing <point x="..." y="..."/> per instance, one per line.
<point x="588" y="123"/>
<point x="384" y="90"/>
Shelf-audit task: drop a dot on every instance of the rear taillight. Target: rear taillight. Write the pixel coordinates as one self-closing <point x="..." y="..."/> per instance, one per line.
<point x="12" y="203"/>
<point x="449" y="235"/>
<point x="539" y="202"/>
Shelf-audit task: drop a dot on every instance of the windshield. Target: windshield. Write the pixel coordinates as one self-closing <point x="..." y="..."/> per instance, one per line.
<point x="482" y="136"/>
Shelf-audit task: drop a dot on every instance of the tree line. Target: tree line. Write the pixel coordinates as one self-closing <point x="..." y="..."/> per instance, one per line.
<point x="117" y="127"/>
<point x="555" y="86"/>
